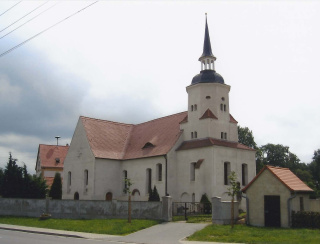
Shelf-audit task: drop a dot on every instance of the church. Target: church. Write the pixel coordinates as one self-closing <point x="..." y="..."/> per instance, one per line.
<point x="185" y="155"/>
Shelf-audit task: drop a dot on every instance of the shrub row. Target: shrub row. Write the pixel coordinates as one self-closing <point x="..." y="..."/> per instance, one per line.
<point x="305" y="219"/>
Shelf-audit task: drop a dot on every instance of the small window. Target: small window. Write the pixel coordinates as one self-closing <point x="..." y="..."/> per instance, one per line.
<point x="208" y="97"/>
<point x="191" y="107"/>
<point x="125" y="177"/>
<point x="224" y="107"/>
<point x="225" y="135"/>
<point x="159" y="172"/>
<point x="195" y="134"/>
<point x="222" y="135"/>
<point x="301" y="204"/>
<point x="57" y="160"/>
<point x="86" y="177"/>
<point x="226" y="173"/>
<point x="222" y="98"/>
<point x="192" y="171"/>
<point x="191" y="135"/>
<point x="195" y="107"/>
<point x="69" y="178"/>
<point x="244" y="174"/>
<point x="148" y="180"/>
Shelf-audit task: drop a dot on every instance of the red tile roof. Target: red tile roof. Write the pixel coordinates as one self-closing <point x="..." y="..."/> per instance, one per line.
<point x="208" y="114"/>
<point x="114" y="140"/>
<point x="207" y="142"/>
<point x="49" y="153"/>
<point x="286" y="177"/>
<point x="232" y="120"/>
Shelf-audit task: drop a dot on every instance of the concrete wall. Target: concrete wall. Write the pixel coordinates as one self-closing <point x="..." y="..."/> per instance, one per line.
<point x="221" y="211"/>
<point x="70" y="209"/>
<point x="314" y="205"/>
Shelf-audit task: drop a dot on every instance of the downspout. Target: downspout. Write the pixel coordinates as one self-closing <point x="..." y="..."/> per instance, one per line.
<point x="247" y="208"/>
<point x="166" y="182"/>
<point x="289" y="208"/>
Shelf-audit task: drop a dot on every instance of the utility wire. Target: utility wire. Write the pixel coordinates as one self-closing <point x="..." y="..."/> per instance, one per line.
<point x="29" y="20"/>
<point x="22" y="43"/>
<point x="10" y="8"/>
<point x="23" y="16"/>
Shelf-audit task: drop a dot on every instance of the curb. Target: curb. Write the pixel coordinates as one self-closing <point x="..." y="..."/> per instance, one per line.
<point x="42" y="232"/>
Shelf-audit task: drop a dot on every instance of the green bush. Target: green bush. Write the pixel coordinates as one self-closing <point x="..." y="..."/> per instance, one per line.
<point x="205" y="204"/>
<point x="305" y="219"/>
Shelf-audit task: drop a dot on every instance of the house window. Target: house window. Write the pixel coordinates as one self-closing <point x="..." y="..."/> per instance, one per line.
<point x="159" y="172"/>
<point x="191" y="107"/>
<point x="125" y="177"/>
<point x="195" y="134"/>
<point x="148" y="181"/>
<point x="192" y="171"/>
<point x="301" y="204"/>
<point x="86" y="177"/>
<point x="222" y="135"/>
<point x="226" y="173"/>
<point x="225" y="135"/>
<point x="244" y="174"/>
<point x="191" y="135"/>
<point x="69" y="179"/>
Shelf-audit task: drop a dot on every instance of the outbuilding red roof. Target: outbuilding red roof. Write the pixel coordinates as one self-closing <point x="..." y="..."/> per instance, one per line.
<point x="114" y="140"/>
<point x="286" y="177"/>
<point x="52" y="156"/>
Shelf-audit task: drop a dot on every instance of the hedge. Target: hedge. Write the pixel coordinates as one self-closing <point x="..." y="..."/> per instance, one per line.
<point x="305" y="219"/>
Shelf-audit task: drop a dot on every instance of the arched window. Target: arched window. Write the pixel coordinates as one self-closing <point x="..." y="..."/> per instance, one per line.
<point x="191" y="135"/>
<point x="192" y="171"/>
<point x="125" y="177"/>
<point x="159" y="172"/>
<point x="86" y="177"/>
<point x="226" y="173"/>
<point x="148" y="180"/>
<point x="76" y="196"/>
<point x="69" y="179"/>
<point x="191" y="107"/>
<point x="109" y="196"/>
<point x="244" y="174"/>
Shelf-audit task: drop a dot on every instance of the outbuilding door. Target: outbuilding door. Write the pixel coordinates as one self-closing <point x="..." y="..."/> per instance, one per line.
<point x="272" y="211"/>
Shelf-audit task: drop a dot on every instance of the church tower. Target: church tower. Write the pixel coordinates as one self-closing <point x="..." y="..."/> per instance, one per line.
<point x="208" y="102"/>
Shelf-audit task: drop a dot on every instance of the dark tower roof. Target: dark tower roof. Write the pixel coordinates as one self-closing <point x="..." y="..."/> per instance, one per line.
<point x="207" y="52"/>
<point x="208" y="74"/>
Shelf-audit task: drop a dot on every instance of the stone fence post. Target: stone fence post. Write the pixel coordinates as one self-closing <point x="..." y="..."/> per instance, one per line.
<point x="167" y="208"/>
<point x="221" y="211"/>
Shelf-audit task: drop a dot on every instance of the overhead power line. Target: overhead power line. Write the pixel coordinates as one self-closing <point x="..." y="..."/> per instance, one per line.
<point x="24" y="42"/>
<point x="29" y="20"/>
<point x="10" y="8"/>
<point x="24" y="16"/>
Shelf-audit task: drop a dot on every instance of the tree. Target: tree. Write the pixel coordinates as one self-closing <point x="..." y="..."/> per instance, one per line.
<point x="18" y="183"/>
<point x="126" y="190"/>
<point x="1" y="180"/>
<point x="246" y="137"/>
<point x="314" y="168"/>
<point x="154" y="195"/>
<point x="233" y="191"/>
<point x="206" y="204"/>
<point x="56" y="188"/>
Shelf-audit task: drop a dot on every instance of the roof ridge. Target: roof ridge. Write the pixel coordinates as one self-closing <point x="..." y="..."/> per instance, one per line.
<point x="161" y="118"/>
<point x="128" y="137"/>
<point x="104" y="120"/>
<point x="53" y="145"/>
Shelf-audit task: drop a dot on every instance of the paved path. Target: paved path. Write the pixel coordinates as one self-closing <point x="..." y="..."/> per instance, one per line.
<point x="165" y="233"/>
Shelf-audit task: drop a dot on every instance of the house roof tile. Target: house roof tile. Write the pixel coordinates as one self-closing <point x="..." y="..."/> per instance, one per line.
<point x="286" y="177"/>
<point x="49" y="153"/>
<point x="114" y="140"/>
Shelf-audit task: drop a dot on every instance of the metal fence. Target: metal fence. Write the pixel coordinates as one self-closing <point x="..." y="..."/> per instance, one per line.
<point x="191" y="209"/>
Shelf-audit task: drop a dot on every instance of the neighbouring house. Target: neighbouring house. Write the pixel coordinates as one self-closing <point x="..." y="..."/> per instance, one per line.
<point x="273" y="194"/>
<point x="185" y="155"/>
<point x="50" y="160"/>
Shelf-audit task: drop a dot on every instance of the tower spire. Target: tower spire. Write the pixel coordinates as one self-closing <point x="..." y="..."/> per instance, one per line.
<point x="207" y="58"/>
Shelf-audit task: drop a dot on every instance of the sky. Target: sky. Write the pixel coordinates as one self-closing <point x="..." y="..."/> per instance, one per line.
<point x="131" y="61"/>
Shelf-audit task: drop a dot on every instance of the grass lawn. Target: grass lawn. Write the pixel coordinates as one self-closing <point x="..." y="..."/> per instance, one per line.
<point x="249" y="234"/>
<point x="98" y="226"/>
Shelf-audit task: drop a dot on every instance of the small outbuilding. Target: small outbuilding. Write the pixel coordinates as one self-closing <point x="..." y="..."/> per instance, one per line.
<point x="273" y="194"/>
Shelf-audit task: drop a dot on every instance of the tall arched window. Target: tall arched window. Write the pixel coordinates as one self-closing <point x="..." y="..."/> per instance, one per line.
<point x="125" y="177"/>
<point x="148" y="181"/>
<point x="159" y="172"/>
<point x="86" y="177"/>
<point x="244" y="174"/>
<point x="226" y="173"/>
<point x="76" y="196"/>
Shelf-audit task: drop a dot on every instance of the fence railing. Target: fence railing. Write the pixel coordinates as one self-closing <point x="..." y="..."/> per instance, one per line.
<point x="190" y="208"/>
